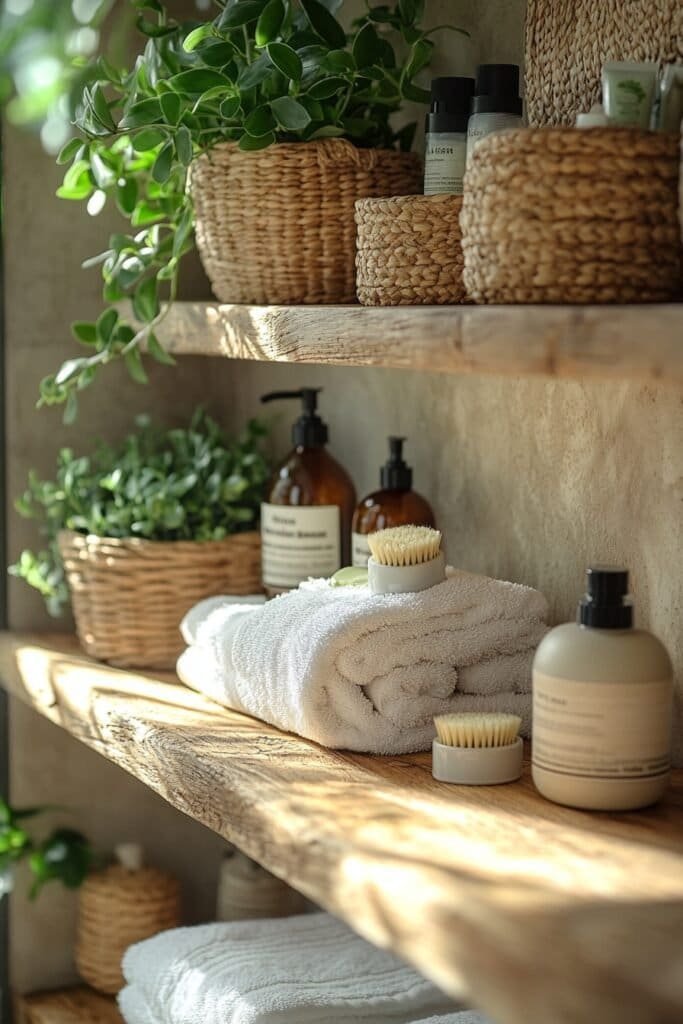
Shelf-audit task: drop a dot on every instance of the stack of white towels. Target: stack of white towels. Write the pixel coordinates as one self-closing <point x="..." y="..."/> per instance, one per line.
<point x="362" y="672"/>
<point x="308" y="969"/>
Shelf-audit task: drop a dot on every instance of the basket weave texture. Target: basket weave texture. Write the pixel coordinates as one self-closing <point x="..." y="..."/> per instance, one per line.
<point x="117" y="908"/>
<point x="70" y="1006"/>
<point x="276" y="226"/>
<point x="409" y="251"/>
<point x="574" y="216"/>
<point x="567" y="44"/>
<point x="130" y="595"/>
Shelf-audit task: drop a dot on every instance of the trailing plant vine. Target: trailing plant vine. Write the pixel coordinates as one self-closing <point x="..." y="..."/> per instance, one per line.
<point x="258" y="73"/>
<point x="64" y="856"/>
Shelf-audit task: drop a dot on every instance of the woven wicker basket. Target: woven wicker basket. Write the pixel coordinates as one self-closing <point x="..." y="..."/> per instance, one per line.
<point x="129" y="596"/>
<point x="567" y="44"/>
<point x="570" y="215"/>
<point x="116" y="908"/>
<point x="70" y="1006"/>
<point x="276" y="226"/>
<point x="409" y="251"/>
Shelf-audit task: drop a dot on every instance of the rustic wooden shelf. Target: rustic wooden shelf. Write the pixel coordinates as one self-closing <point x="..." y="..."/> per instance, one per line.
<point x="638" y="342"/>
<point x="533" y="912"/>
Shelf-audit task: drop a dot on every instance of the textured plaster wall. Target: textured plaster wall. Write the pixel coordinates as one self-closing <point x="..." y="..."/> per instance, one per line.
<point x="530" y="480"/>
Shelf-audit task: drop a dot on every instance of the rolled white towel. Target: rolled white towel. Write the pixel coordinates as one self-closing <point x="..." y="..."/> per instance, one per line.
<point x="361" y="672"/>
<point x="299" y="970"/>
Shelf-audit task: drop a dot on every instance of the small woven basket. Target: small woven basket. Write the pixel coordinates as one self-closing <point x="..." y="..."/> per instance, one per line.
<point x="116" y="908"/>
<point x="276" y="226"/>
<point x="70" y="1006"/>
<point x="130" y="595"/>
<point x="567" y="44"/>
<point x="572" y="216"/>
<point x="409" y="251"/>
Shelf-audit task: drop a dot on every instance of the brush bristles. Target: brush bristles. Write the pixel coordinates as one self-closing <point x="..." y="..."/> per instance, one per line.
<point x="405" y="545"/>
<point x="474" y="729"/>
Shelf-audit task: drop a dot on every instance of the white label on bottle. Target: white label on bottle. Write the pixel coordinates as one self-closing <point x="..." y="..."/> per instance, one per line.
<point x="481" y="125"/>
<point x="603" y="730"/>
<point x="360" y="550"/>
<point x="445" y="156"/>
<point x="298" y="542"/>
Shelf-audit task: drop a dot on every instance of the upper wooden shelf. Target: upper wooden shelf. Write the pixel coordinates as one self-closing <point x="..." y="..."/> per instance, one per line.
<point x="637" y="342"/>
<point x="531" y="911"/>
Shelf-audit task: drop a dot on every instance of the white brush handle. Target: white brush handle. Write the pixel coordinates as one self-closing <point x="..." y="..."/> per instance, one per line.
<point x="406" y="579"/>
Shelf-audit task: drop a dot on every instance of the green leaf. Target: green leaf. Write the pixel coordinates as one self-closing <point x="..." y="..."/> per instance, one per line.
<point x="70" y="409"/>
<point x="170" y="107"/>
<point x="270" y="22"/>
<point x="105" y="325"/>
<point x="420" y="57"/>
<point x="260" y="121"/>
<point x="70" y="369"/>
<point x="367" y="47"/>
<point x="133" y="361"/>
<point x="157" y="352"/>
<point x="144" y="214"/>
<point x="256" y="73"/>
<point x="183" y="145"/>
<point x="286" y="60"/>
<point x="142" y="114"/>
<point x="414" y="93"/>
<point x="147" y="139"/>
<point x="339" y="61"/>
<point x="195" y="37"/>
<point x="84" y="332"/>
<point x="326" y="88"/>
<point x="323" y="24"/>
<point x="248" y="142"/>
<point x="217" y="54"/>
<point x="161" y="171"/>
<point x="198" y="80"/>
<point x="230" y="107"/>
<point x="104" y="176"/>
<point x="127" y="196"/>
<point x="68" y="151"/>
<point x="237" y="14"/>
<point x="146" y="300"/>
<point x="101" y="108"/>
<point x="292" y="116"/>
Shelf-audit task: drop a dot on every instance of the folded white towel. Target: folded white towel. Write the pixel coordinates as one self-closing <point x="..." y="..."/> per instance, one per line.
<point x="352" y="670"/>
<point x="298" y="970"/>
<point x="461" y="1017"/>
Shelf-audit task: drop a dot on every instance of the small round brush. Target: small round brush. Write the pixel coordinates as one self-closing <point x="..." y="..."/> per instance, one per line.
<point x="477" y="749"/>
<point x="405" y="559"/>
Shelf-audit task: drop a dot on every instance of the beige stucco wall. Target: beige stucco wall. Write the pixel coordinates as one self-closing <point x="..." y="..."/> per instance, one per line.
<point x="530" y="479"/>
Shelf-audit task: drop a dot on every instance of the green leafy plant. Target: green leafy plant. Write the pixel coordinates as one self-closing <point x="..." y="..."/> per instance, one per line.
<point x="64" y="856"/>
<point x="180" y="484"/>
<point x="258" y="73"/>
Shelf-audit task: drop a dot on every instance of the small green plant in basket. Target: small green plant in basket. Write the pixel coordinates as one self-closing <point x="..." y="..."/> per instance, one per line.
<point x="256" y="73"/>
<point x="181" y="484"/>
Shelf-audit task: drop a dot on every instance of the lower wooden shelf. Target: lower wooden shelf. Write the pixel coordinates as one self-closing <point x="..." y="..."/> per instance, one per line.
<point x="535" y="913"/>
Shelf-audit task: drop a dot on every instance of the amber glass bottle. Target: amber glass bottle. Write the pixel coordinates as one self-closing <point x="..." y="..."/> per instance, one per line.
<point x="306" y="517"/>
<point x="396" y="504"/>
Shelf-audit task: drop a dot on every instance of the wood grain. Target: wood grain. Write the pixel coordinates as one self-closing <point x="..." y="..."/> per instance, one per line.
<point x="533" y="912"/>
<point x="631" y="342"/>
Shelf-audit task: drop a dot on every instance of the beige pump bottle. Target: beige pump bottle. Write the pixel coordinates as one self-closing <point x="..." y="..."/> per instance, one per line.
<point x="602" y="705"/>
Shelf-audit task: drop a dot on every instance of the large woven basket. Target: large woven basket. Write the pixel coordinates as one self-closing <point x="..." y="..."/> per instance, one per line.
<point x="567" y="44"/>
<point x="277" y="227"/>
<point x="570" y="215"/>
<point x="116" y="908"/>
<point x="129" y="596"/>
<point x="69" y="1006"/>
<point x="409" y="251"/>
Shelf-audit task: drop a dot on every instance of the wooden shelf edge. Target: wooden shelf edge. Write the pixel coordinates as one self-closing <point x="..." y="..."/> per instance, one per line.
<point x="639" y="342"/>
<point x="531" y="911"/>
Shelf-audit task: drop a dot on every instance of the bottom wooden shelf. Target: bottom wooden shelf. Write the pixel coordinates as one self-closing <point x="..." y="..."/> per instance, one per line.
<point x="69" y="1006"/>
<point x="535" y="913"/>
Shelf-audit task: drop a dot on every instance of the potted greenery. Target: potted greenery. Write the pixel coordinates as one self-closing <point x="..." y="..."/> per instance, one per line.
<point x="64" y="855"/>
<point x="140" y="532"/>
<point x="279" y="119"/>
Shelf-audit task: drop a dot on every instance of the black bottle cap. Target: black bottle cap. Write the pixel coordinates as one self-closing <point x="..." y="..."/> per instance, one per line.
<point x="395" y="475"/>
<point x="606" y="604"/>
<point x="450" y="104"/>
<point x="497" y="90"/>
<point x="308" y="431"/>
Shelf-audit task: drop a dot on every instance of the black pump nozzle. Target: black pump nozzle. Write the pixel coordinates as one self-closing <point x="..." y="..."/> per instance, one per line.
<point x="395" y="475"/>
<point x="308" y="431"/>
<point x="606" y="604"/>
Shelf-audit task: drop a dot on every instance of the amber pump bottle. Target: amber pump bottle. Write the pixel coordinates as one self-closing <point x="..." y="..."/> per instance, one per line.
<point x="306" y="518"/>
<point x="396" y="504"/>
